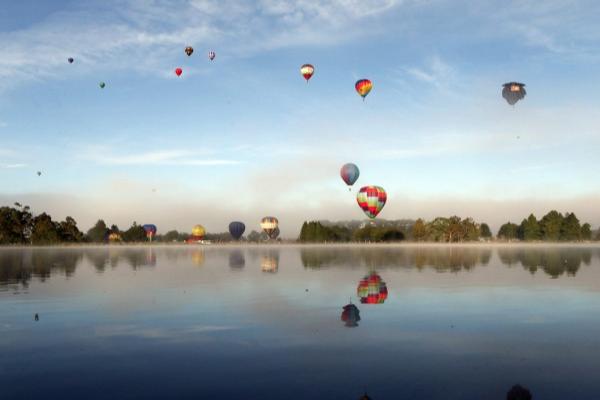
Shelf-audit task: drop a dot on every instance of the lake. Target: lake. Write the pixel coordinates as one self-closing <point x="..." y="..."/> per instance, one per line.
<point x="267" y="322"/>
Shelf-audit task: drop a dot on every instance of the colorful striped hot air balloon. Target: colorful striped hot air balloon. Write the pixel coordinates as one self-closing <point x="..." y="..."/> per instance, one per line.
<point x="349" y="174"/>
<point x="372" y="289"/>
<point x="371" y="199"/>
<point x="363" y="87"/>
<point x="211" y="55"/>
<point x="307" y="71"/>
<point x="150" y="230"/>
<point x="269" y="226"/>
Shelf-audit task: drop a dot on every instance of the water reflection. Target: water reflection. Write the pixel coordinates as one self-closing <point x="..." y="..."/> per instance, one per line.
<point x="552" y="260"/>
<point x="269" y="262"/>
<point x="18" y="266"/>
<point x="237" y="261"/>
<point x="198" y="257"/>
<point x="518" y="392"/>
<point x="440" y="258"/>
<point x="372" y="289"/>
<point x="350" y="315"/>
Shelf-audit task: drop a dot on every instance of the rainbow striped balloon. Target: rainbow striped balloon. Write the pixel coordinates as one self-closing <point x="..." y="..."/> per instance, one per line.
<point x="363" y="87"/>
<point x="371" y="199"/>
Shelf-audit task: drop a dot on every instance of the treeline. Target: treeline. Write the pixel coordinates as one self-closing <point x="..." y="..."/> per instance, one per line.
<point x="553" y="227"/>
<point x="452" y="229"/>
<point x="317" y="232"/>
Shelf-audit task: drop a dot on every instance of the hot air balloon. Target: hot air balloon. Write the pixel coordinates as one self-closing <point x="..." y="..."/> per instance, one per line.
<point x="198" y="233"/>
<point x="275" y="233"/>
<point x="372" y="290"/>
<point x="178" y="71"/>
<point x="70" y="60"/>
<point x="150" y="230"/>
<point x="363" y="87"/>
<point x="513" y="92"/>
<point x="39" y="173"/>
<point x="349" y="174"/>
<point x="189" y="50"/>
<point x="211" y="55"/>
<point x="268" y="225"/>
<point x="371" y="199"/>
<point x="236" y="229"/>
<point x="350" y="315"/>
<point x="102" y="85"/>
<point x="114" y="237"/>
<point x="307" y="71"/>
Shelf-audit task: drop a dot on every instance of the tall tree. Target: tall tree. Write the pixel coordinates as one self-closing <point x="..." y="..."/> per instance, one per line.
<point x="135" y="234"/>
<point x="45" y="231"/>
<point x="586" y="232"/>
<point x="570" y="229"/>
<point x="551" y="225"/>
<point x="508" y="231"/>
<point x="69" y="232"/>
<point x="419" y="230"/>
<point x="530" y="229"/>
<point x="98" y="233"/>
<point x="485" y="230"/>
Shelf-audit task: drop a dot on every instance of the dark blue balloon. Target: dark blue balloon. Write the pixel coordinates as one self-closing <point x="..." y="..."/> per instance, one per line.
<point x="236" y="229"/>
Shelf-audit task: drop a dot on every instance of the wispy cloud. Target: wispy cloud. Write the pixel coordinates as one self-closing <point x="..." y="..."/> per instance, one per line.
<point x="12" y="166"/>
<point x="166" y="157"/>
<point x="437" y="73"/>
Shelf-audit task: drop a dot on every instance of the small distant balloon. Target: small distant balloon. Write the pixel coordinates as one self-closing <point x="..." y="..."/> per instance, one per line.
<point x="363" y="87"/>
<point x="189" y="50"/>
<point x="349" y="173"/>
<point x="211" y="55"/>
<point x="513" y="92"/>
<point x="178" y="71"/>
<point x="70" y="60"/>
<point x="371" y="199"/>
<point x="39" y="173"/>
<point x="102" y="85"/>
<point x="307" y="71"/>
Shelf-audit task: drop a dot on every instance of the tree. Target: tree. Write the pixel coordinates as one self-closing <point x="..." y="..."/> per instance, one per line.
<point x="15" y="224"/>
<point x="530" y="229"/>
<point x="570" y="228"/>
<point x="485" y="231"/>
<point x="45" y="231"/>
<point x="171" y="236"/>
<point x="508" y="231"/>
<point x="254" y="237"/>
<point x="69" y="232"/>
<point x="419" y="230"/>
<point x="550" y="226"/>
<point x="135" y="233"/>
<point x="438" y="229"/>
<point x="586" y="232"/>
<point x="99" y="232"/>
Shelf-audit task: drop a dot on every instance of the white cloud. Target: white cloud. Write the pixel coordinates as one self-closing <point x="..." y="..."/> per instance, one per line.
<point x="437" y="73"/>
<point x="12" y="166"/>
<point x="166" y="157"/>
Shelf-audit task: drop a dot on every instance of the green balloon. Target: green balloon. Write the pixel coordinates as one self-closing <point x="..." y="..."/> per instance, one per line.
<point x="102" y="84"/>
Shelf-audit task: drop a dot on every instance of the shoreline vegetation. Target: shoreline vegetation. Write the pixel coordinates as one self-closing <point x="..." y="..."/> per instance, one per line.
<point x="19" y="226"/>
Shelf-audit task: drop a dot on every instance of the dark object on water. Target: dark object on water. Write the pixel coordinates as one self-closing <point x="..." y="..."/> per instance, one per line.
<point x="513" y="92"/>
<point x="37" y="317"/>
<point x="518" y="392"/>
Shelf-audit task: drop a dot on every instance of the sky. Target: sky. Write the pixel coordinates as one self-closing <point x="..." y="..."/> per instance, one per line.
<point x="244" y="136"/>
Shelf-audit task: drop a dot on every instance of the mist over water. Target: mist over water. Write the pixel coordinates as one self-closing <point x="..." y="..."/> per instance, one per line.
<point x="435" y="322"/>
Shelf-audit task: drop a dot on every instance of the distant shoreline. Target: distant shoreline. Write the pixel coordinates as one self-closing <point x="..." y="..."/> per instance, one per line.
<point x="300" y="245"/>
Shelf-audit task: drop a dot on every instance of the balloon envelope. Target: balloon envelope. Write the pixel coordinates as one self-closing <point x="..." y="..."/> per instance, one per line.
<point x="236" y="229"/>
<point x="150" y="230"/>
<point x="102" y="84"/>
<point x="211" y="55"/>
<point x="269" y="225"/>
<point x="198" y="232"/>
<point x="189" y="50"/>
<point x="178" y="71"/>
<point x="307" y="71"/>
<point x="70" y="60"/>
<point x="363" y="87"/>
<point x="513" y="92"/>
<point x="371" y="199"/>
<point x="349" y="173"/>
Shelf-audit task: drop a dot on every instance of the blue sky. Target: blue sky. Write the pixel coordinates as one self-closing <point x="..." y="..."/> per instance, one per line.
<point x="245" y="136"/>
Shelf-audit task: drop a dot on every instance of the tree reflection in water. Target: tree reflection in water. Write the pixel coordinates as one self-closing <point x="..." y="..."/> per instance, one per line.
<point x="237" y="261"/>
<point x="555" y="261"/>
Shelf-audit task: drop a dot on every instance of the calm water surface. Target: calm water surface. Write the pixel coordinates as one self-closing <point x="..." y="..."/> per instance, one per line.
<point x="266" y="322"/>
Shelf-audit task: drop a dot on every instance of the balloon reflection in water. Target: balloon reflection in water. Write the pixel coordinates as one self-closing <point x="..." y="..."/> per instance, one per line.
<point x="350" y="315"/>
<point x="237" y="261"/>
<point x="150" y="258"/>
<point x="198" y="257"/>
<point x="372" y="289"/>
<point x="269" y="262"/>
